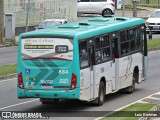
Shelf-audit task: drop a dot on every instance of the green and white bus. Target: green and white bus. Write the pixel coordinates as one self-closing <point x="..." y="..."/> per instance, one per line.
<point x="82" y="60"/>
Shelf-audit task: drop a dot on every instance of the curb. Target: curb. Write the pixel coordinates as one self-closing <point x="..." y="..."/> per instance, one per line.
<point x="8" y="45"/>
<point x="8" y="76"/>
<point x="153" y="49"/>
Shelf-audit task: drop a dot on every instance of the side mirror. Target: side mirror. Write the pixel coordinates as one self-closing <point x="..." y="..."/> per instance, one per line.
<point x="78" y="0"/>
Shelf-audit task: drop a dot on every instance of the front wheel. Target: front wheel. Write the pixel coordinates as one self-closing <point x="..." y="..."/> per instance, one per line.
<point x="131" y="88"/>
<point x="106" y="12"/>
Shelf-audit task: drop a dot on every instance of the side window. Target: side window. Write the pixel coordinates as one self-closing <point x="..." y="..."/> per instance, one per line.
<point x="105" y="41"/>
<point x="133" y="36"/>
<point x="83" y="55"/>
<point x="124" y="42"/>
<point x="106" y="54"/>
<point x="133" y="45"/>
<point x="98" y="42"/>
<point x="124" y="48"/>
<point x="98" y="56"/>
<point x="124" y="36"/>
<point x="142" y="39"/>
<point x="133" y="33"/>
<point x="102" y="45"/>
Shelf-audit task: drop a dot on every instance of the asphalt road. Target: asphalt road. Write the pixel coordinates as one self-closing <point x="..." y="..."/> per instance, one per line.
<point x="8" y="55"/>
<point x="10" y="102"/>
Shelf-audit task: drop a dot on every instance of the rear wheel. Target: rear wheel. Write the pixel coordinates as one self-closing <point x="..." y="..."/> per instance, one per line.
<point x="101" y="95"/>
<point x="131" y="88"/>
<point x="106" y="12"/>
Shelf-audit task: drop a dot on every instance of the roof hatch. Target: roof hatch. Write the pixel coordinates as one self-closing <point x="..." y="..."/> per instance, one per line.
<point x="84" y="24"/>
<point x="119" y="18"/>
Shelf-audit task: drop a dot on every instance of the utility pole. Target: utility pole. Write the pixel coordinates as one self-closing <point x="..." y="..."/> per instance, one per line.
<point x="134" y="8"/>
<point x="1" y="20"/>
<point x="123" y="9"/>
<point x="27" y="16"/>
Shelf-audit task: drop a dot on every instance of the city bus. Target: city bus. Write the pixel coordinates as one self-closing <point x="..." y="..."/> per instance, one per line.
<point x="83" y="60"/>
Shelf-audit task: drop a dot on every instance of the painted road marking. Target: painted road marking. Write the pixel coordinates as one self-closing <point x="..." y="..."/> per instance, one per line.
<point x="18" y="104"/>
<point x="127" y="105"/>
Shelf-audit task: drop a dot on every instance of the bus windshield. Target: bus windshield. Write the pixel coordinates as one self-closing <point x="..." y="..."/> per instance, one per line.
<point x="47" y="48"/>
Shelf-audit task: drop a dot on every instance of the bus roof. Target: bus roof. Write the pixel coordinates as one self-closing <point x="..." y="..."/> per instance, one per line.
<point x="88" y="27"/>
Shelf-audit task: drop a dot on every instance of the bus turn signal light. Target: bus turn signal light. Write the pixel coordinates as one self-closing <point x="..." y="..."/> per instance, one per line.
<point x="73" y="81"/>
<point x="20" y="81"/>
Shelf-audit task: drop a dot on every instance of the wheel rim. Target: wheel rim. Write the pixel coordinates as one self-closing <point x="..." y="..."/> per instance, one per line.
<point x="107" y="12"/>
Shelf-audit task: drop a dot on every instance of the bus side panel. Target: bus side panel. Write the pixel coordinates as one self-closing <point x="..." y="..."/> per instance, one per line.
<point x="124" y="72"/>
<point x="104" y="70"/>
<point x="85" y="84"/>
<point x="126" y="69"/>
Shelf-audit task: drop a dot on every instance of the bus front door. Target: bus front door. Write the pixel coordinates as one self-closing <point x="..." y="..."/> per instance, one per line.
<point x="91" y="64"/>
<point x="115" y="54"/>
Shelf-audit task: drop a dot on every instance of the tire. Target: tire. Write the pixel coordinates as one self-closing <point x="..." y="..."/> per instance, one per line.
<point x="47" y="101"/>
<point x="131" y="88"/>
<point x="101" y="94"/>
<point x="106" y="12"/>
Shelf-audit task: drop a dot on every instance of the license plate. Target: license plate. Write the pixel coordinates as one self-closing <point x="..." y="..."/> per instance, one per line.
<point x="155" y="27"/>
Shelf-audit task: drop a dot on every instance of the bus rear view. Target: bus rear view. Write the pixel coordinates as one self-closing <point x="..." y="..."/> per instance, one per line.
<point x="45" y="68"/>
<point x="83" y="60"/>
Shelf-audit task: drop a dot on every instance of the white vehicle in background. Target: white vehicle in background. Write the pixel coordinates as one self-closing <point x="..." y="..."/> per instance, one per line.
<point x="52" y="22"/>
<point x="153" y="22"/>
<point x="103" y="7"/>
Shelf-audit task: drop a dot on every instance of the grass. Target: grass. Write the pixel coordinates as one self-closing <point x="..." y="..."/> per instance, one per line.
<point x="128" y="113"/>
<point x="8" y="69"/>
<point x="153" y="43"/>
<point x="149" y="3"/>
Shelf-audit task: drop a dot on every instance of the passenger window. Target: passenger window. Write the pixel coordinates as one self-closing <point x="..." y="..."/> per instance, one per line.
<point x="106" y="54"/>
<point x="124" y="48"/>
<point x="98" y="56"/>
<point x="133" y="33"/>
<point x="83" y="54"/>
<point x="105" y="41"/>
<point x="98" y="43"/>
<point x="133" y="45"/>
<point x="124" y="36"/>
<point x="142" y="42"/>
